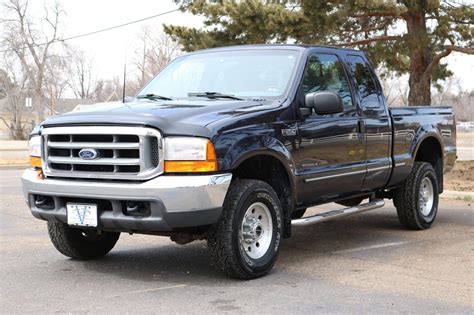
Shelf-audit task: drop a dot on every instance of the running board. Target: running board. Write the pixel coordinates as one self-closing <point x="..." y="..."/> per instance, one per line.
<point x="335" y="214"/>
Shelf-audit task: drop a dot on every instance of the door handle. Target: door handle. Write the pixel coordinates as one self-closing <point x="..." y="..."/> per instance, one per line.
<point x="360" y="126"/>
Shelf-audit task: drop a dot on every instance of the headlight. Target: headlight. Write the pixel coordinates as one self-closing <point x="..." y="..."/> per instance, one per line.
<point x="34" y="146"/>
<point x="189" y="154"/>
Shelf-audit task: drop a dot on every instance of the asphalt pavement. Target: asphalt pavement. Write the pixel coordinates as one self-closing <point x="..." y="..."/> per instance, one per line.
<point x="362" y="264"/>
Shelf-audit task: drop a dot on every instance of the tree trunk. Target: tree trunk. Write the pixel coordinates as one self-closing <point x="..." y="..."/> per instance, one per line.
<point x="39" y="106"/>
<point x="419" y="82"/>
<point x="420" y="90"/>
<point x="39" y="96"/>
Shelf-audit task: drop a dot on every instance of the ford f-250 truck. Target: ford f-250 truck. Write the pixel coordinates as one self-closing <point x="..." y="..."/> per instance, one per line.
<point x="232" y="145"/>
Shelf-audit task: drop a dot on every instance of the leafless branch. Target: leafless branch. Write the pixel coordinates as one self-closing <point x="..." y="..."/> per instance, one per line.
<point x="446" y="52"/>
<point x="21" y="38"/>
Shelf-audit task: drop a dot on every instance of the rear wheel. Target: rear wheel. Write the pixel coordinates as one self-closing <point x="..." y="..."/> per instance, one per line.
<point x="244" y="243"/>
<point x="417" y="200"/>
<point x="81" y="243"/>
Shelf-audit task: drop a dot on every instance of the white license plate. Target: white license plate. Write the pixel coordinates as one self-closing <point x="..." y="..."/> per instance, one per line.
<point x="81" y="214"/>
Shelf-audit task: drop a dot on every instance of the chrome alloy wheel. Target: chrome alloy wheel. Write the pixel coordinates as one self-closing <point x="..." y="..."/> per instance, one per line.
<point x="256" y="230"/>
<point x="426" y="196"/>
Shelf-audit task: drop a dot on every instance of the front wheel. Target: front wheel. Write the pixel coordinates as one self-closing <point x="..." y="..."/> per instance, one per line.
<point x="417" y="200"/>
<point x="245" y="242"/>
<point x="81" y="244"/>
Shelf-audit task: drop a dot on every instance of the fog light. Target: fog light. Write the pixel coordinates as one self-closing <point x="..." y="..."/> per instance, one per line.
<point x="136" y="208"/>
<point x="44" y="202"/>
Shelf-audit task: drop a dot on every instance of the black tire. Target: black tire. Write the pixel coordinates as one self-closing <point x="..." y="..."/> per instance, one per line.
<point x="408" y="201"/>
<point x="81" y="244"/>
<point x="225" y="242"/>
<point x="298" y="214"/>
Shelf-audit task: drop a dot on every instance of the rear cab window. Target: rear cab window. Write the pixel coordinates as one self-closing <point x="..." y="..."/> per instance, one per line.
<point x="366" y="86"/>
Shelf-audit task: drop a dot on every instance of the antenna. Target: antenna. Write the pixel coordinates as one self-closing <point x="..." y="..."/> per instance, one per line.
<point x="124" y="79"/>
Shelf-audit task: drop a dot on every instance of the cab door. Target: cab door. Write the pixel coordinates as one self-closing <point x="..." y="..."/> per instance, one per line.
<point x="376" y="120"/>
<point x="330" y="155"/>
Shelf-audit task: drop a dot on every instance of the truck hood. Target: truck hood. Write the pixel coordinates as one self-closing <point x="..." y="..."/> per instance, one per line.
<point x="180" y="117"/>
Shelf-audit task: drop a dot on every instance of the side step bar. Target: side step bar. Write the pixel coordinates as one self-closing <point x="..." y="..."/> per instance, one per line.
<point x="335" y="214"/>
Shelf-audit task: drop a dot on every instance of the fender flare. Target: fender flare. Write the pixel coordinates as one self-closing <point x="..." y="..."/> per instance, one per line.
<point x="252" y="146"/>
<point x="421" y="136"/>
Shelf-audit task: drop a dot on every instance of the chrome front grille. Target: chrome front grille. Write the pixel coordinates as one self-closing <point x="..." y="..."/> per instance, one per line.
<point x="118" y="152"/>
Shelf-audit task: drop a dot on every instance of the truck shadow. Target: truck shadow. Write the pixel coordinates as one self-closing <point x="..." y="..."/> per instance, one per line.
<point x="191" y="264"/>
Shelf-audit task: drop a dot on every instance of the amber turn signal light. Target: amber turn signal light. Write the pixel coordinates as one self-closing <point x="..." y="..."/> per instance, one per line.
<point x="190" y="166"/>
<point x="35" y="161"/>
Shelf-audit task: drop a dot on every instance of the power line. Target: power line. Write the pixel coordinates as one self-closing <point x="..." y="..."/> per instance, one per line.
<point x="96" y="32"/>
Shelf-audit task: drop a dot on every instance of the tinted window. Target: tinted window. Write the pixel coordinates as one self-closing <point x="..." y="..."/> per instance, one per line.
<point x="325" y="73"/>
<point x="365" y="83"/>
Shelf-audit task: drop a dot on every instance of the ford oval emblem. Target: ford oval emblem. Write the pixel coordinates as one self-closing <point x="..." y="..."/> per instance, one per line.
<point x="88" y="154"/>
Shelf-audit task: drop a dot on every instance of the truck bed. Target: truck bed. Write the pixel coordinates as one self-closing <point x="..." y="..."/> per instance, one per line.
<point x="413" y="123"/>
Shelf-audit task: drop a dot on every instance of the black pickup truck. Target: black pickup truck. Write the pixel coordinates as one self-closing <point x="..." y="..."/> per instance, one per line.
<point x="232" y="145"/>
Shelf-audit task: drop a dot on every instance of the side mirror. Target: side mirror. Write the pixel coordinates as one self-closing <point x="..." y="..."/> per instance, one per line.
<point x="324" y="103"/>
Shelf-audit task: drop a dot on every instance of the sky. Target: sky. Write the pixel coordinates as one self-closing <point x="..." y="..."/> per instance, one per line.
<point x="110" y="49"/>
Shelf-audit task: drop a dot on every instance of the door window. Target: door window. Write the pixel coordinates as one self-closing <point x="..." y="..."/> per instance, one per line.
<point x="325" y="73"/>
<point x="365" y="83"/>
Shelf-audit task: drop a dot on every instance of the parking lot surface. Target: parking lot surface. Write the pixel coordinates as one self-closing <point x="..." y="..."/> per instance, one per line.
<point x="362" y="264"/>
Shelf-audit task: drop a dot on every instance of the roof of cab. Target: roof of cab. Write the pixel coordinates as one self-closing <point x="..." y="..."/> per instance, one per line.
<point x="299" y="47"/>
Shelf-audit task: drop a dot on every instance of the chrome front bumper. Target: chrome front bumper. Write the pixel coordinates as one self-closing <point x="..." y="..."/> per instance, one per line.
<point x="175" y="201"/>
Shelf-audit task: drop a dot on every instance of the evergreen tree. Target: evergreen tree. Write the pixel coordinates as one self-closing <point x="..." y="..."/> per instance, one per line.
<point x="407" y="36"/>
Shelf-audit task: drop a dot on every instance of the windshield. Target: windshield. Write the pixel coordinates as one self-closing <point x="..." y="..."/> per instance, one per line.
<point x="241" y="73"/>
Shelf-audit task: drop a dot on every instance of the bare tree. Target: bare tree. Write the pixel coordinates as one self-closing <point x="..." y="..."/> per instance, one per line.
<point x="17" y="125"/>
<point x="452" y="94"/>
<point x="141" y="54"/>
<point x="390" y="90"/>
<point x="445" y="92"/>
<point x="16" y="114"/>
<point x="31" y="44"/>
<point x="55" y="81"/>
<point x="394" y="86"/>
<point x="156" y="50"/>
<point x="81" y="77"/>
<point x="107" y="90"/>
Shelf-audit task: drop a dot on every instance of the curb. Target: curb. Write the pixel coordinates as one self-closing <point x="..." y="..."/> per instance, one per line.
<point x="19" y="166"/>
<point x="13" y="162"/>
<point x="14" y="149"/>
<point x="460" y="195"/>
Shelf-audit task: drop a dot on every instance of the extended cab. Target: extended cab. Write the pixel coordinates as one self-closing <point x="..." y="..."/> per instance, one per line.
<point x="232" y="145"/>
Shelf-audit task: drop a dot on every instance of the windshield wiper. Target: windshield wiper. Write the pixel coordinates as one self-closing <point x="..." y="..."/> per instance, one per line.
<point x="213" y="95"/>
<point x="154" y="97"/>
